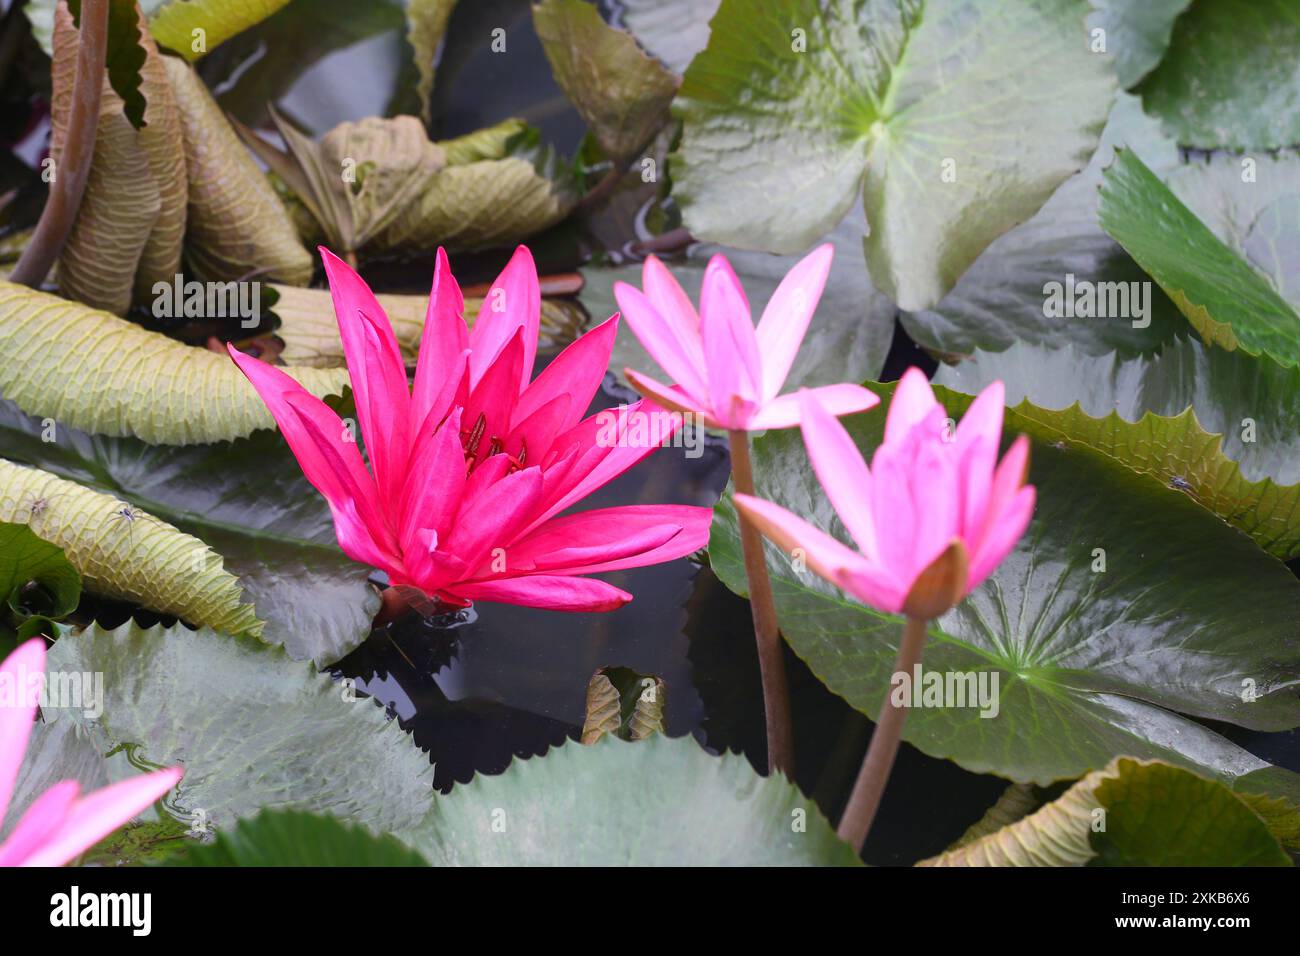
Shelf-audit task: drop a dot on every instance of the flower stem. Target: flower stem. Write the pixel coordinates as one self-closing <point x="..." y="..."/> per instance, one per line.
<point x="771" y="665"/>
<point x="73" y="167"/>
<point x="870" y="785"/>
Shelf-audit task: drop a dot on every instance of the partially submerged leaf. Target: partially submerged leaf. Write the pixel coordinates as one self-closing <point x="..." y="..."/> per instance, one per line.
<point x="122" y="552"/>
<point x="311" y="334"/>
<point x="238" y="227"/>
<point x="623" y="703"/>
<point x="620" y="92"/>
<point x="102" y="374"/>
<point x="1135" y="35"/>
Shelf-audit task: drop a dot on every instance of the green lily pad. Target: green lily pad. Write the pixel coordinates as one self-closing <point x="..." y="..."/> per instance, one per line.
<point x="794" y="107"/>
<point x="1004" y="297"/>
<point x="1229" y="79"/>
<point x="1137" y="34"/>
<point x="251" y="728"/>
<point x="293" y="838"/>
<point x="248" y="501"/>
<point x="1226" y="300"/>
<point x="1188" y="617"/>
<point x="619" y="803"/>
<point x="1174" y="449"/>
<point x="673" y="30"/>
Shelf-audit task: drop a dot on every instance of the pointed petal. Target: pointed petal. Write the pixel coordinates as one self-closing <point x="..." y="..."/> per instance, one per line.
<point x="21" y="674"/>
<point x="531" y="440"/>
<point x="576" y="372"/>
<point x="672" y="303"/>
<point x="1007" y="481"/>
<point x="431" y="502"/>
<point x="377" y="371"/>
<point x="95" y="816"/>
<point x="823" y="555"/>
<point x="552" y="592"/>
<point x="684" y="365"/>
<point x="1001" y="539"/>
<point x="329" y="459"/>
<point x="39" y="823"/>
<point x="609" y="539"/>
<point x="444" y="338"/>
<point x="672" y="397"/>
<point x="490" y="522"/>
<point x="785" y="319"/>
<point x="730" y="344"/>
<point x="842" y="472"/>
<point x="491" y="403"/>
<point x="513" y="303"/>
<point x="783" y="411"/>
<point x="912" y="401"/>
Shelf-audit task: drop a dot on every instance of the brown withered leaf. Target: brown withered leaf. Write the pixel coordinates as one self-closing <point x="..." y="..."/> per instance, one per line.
<point x="623" y="703"/>
<point x="237" y="224"/>
<point x="131" y="221"/>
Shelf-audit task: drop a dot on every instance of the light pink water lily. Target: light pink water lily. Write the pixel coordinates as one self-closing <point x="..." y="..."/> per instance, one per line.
<point x="931" y="491"/>
<point x="724" y="369"/>
<point x="61" y="823"/>
<point x="471" y="467"/>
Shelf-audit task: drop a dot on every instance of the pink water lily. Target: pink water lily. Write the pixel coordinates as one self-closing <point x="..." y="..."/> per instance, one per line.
<point x="724" y="369"/>
<point x="471" y="467"/>
<point x="931" y="491"/>
<point x="61" y="823"/>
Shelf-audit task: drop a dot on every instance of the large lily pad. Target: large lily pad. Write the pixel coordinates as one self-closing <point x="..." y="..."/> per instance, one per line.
<point x="248" y="501"/>
<point x="1174" y="449"/>
<point x="1004" y="297"/>
<point x="1229" y="79"/>
<point x="1137" y="34"/>
<point x="251" y="728"/>
<point x="619" y="803"/>
<point x="792" y="108"/>
<point x="294" y="838"/>
<point x="1188" y="617"/>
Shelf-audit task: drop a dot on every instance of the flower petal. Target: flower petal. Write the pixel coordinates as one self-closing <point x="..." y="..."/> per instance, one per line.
<point x="513" y="304"/>
<point x="685" y="366"/>
<point x="673" y="304"/>
<point x="377" y="372"/>
<point x="40" y="823"/>
<point x="576" y="372"/>
<point x="785" y="319"/>
<point x="549" y="591"/>
<point x="913" y="399"/>
<point x="21" y="673"/>
<point x="842" y="472"/>
<point x="444" y="338"/>
<point x="730" y="344"/>
<point x="1007" y="529"/>
<point x="95" y="816"/>
<point x="431" y="502"/>
<point x="609" y="539"/>
<point x="783" y="411"/>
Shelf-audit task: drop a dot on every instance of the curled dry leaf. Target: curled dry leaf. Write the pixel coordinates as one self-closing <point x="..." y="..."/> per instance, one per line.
<point x="237" y="224"/>
<point x="311" y="333"/>
<point x="91" y="370"/>
<point x="135" y="199"/>
<point x="426" y="25"/>
<point x="122" y="552"/>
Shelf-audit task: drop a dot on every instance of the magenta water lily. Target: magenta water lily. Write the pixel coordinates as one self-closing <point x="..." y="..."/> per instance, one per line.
<point x="472" y="467"/>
